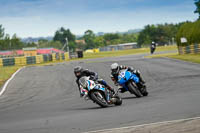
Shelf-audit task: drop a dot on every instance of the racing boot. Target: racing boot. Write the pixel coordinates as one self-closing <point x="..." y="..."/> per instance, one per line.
<point x="111" y="89"/>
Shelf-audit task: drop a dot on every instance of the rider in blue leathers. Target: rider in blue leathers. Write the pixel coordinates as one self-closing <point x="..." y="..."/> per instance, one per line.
<point x="115" y="68"/>
<point x="80" y="72"/>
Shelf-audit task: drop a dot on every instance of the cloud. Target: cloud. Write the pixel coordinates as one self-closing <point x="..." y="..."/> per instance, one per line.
<point x="44" y="17"/>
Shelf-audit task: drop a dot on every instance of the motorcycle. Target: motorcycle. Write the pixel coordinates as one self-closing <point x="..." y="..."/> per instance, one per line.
<point x="131" y="82"/>
<point x="96" y="92"/>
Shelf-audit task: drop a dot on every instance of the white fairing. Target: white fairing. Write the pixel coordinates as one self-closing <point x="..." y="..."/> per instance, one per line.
<point x="91" y="85"/>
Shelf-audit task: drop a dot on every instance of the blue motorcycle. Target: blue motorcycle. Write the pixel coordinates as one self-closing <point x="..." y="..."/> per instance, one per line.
<point x="131" y="82"/>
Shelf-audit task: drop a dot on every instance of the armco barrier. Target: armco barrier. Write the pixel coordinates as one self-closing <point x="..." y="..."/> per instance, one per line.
<point x="191" y="49"/>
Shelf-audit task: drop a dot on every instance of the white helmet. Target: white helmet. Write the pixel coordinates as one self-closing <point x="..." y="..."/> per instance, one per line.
<point x="115" y="68"/>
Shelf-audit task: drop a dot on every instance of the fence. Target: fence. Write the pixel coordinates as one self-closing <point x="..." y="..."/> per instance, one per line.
<point x="191" y="49"/>
<point x="33" y="59"/>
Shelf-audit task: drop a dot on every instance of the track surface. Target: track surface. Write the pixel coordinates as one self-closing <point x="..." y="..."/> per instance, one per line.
<point x="46" y="99"/>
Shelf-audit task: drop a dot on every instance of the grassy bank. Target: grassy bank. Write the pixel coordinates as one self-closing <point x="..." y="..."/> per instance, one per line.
<point x="195" y="58"/>
<point x="6" y="72"/>
<point x="127" y="52"/>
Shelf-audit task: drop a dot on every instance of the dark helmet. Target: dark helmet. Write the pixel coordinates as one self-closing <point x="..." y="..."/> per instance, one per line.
<point x="115" y="68"/>
<point x="78" y="70"/>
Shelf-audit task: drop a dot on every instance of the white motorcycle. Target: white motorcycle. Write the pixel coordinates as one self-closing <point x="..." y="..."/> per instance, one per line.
<point x="98" y="93"/>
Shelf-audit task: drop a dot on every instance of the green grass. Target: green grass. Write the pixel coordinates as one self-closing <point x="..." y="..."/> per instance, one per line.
<point x="6" y="72"/>
<point x="195" y="58"/>
<point x="127" y="52"/>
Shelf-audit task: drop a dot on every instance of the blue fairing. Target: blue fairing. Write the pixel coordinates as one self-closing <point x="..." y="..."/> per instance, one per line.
<point x="125" y="77"/>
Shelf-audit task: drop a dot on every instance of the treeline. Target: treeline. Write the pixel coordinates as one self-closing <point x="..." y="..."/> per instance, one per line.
<point x="15" y="43"/>
<point x="7" y="42"/>
<point x="89" y="40"/>
<point x="93" y="41"/>
<point x="162" y="34"/>
<point x="190" y="31"/>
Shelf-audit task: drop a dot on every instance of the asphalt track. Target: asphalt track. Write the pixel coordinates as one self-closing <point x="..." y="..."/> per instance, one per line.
<point x="45" y="99"/>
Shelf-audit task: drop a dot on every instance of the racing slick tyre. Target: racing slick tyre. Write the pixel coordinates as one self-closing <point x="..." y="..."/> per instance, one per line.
<point x="99" y="99"/>
<point x="133" y="89"/>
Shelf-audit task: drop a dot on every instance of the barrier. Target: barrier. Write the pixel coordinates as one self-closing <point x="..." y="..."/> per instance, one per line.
<point x="26" y="60"/>
<point x="1" y="62"/>
<point x="31" y="60"/>
<point x="191" y="49"/>
<point x="66" y="56"/>
<point x="8" y="61"/>
<point x="20" y="61"/>
<point x="53" y="57"/>
<point x="39" y="59"/>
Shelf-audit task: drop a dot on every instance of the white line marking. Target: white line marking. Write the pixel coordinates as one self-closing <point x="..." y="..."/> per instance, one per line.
<point x="6" y="84"/>
<point x="163" y="122"/>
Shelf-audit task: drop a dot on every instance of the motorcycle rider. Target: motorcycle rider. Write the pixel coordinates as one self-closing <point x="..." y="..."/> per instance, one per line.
<point x="115" y="68"/>
<point x="80" y="72"/>
<point x="153" y="47"/>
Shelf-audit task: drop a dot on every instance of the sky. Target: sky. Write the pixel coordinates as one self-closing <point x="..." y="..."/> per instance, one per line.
<point x="36" y="18"/>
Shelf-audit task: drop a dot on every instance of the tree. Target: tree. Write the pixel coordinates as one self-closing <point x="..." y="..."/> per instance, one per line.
<point x="189" y="30"/>
<point x="109" y="38"/>
<point x="15" y="43"/>
<point x="161" y="34"/>
<point x="1" y="32"/>
<point x="197" y="3"/>
<point x="89" y="37"/>
<point x="61" y="36"/>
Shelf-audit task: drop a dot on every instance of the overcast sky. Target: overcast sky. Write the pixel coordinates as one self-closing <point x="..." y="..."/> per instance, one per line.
<point x="34" y="18"/>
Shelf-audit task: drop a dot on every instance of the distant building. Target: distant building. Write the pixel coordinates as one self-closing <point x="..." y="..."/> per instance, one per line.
<point x="32" y="51"/>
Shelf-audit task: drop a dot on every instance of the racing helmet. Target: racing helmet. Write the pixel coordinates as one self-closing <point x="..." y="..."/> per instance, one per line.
<point x="78" y="70"/>
<point x="115" y="68"/>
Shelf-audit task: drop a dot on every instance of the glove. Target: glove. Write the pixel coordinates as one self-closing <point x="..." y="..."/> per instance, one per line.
<point x="116" y="83"/>
<point x="81" y="95"/>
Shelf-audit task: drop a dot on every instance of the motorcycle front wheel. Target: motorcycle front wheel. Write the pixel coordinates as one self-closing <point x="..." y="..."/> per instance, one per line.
<point x="99" y="99"/>
<point x="133" y="89"/>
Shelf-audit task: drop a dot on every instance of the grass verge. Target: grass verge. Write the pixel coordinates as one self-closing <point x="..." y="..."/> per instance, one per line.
<point x="127" y="52"/>
<point x="195" y="58"/>
<point x="6" y="72"/>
